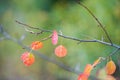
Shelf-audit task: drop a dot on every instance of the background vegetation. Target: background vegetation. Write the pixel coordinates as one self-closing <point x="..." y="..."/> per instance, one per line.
<point x="63" y="15"/>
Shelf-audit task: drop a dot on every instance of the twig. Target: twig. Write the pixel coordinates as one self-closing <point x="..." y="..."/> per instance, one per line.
<point x="2" y="38"/>
<point x="32" y="27"/>
<point x="71" y="38"/>
<point x="112" y="53"/>
<point x="96" y="19"/>
<point x="115" y="51"/>
<point x="44" y="39"/>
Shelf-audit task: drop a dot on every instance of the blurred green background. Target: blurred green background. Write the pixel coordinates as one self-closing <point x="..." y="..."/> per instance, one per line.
<point x="63" y="15"/>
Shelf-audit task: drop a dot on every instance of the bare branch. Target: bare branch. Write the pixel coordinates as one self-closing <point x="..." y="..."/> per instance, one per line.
<point x="76" y="39"/>
<point x="71" y="38"/>
<point x="115" y="51"/>
<point x="96" y="19"/>
<point x="44" y="39"/>
<point x="22" y="37"/>
<point x="2" y="38"/>
<point x="32" y="27"/>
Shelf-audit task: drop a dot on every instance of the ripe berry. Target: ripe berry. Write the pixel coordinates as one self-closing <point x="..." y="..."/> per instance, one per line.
<point x="36" y="45"/>
<point x="60" y="51"/>
<point x="27" y="58"/>
<point x="83" y="77"/>
<point x="110" y="67"/>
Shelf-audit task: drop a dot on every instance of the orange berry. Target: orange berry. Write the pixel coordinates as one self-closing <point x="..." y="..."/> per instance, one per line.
<point x="60" y="51"/>
<point x="28" y="58"/>
<point x="83" y="77"/>
<point x="97" y="61"/>
<point x="110" y="67"/>
<point x="36" y="45"/>
<point x="88" y="69"/>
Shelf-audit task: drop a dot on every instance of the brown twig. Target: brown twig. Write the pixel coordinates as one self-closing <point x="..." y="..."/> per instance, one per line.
<point x="69" y="37"/>
<point x="32" y="27"/>
<point x="96" y="19"/>
<point x="44" y="39"/>
<point x="115" y="51"/>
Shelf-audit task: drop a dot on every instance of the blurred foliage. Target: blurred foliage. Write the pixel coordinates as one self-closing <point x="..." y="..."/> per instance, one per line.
<point x="63" y="15"/>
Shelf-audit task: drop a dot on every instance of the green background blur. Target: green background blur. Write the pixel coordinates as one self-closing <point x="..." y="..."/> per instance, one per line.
<point x="63" y="15"/>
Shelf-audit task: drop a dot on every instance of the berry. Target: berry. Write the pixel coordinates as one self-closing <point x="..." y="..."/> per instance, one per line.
<point x="60" y="51"/>
<point x="36" y="45"/>
<point x="27" y="58"/>
<point x="54" y="37"/>
<point x="110" y="67"/>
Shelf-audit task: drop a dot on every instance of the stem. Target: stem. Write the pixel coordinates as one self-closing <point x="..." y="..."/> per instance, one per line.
<point x="41" y="30"/>
<point x="68" y="37"/>
<point x="115" y="51"/>
<point x="96" y="19"/>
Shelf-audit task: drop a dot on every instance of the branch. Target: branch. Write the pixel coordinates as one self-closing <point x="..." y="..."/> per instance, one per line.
<point x="2" y="38"/>
<point x="115" y="51"/>
<point x="68" y="37"/>
<point x="51" y="60"/>
<point x="96" y="19"/>
<point x="41" y="30"/>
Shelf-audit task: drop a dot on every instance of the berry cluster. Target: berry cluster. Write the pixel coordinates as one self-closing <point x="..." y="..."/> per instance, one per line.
<point x="60" y="51"/>
<point x="28" y="58"/>
<point x="109" y="70"/>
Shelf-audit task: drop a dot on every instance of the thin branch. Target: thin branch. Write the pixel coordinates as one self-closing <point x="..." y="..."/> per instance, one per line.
<point x="71" y="38"/>
<point x="96" y="19"/>
<point x="115" y="51"/>
<point x="32" y="27"/>
<point x="44" y="39"/>
<point x="2" y="38"/>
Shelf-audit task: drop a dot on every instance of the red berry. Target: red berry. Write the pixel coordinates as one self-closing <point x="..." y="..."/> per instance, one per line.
<point x="83" y="77"/>
<point x="28" y="58"/>
<point x="60" y="51"/>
